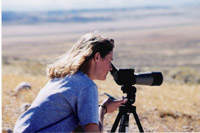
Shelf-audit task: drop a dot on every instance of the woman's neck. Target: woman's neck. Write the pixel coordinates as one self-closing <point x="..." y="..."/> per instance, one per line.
<point x="87" y="68"/>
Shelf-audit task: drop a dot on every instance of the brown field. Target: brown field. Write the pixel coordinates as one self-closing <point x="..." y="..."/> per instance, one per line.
<point x="167" y="108"/>
<point x="171" y="47"/>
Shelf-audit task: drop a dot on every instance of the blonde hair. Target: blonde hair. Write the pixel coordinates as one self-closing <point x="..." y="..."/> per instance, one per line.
<point x="80" y="53"/>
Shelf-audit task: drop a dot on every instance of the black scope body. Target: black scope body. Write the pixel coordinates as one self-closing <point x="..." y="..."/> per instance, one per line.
<point x="129" y="77"/>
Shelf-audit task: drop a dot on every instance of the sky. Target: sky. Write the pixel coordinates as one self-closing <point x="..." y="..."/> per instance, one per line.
<point x="45" y="5"/>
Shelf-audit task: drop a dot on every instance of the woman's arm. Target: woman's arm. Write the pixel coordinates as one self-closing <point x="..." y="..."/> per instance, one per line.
<point x="92" y="127"/>
<point x="111" y="105"/>
<point x="102" y="111"/>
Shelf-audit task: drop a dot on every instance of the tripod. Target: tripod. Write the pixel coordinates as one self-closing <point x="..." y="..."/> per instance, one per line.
<point x="125" y="110"/>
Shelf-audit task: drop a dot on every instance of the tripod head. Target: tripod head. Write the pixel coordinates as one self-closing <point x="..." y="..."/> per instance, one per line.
<point x="131" y="93"/>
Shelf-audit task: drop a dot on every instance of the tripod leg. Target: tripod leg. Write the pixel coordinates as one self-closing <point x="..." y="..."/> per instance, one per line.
<point x="124" y="123"/>
<point x="114" y="127"/>
<point x="137" y="121"/>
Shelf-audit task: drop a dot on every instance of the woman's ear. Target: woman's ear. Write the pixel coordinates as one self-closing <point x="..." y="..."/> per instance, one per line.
<point x="97" y="56"/>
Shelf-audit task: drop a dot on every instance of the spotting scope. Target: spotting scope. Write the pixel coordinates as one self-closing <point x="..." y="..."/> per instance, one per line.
<point x="129" y="77"/>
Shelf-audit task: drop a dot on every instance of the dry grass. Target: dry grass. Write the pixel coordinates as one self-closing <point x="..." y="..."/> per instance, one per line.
<point x="13" y="73"/>
<point x="11" y="104"/>
<point x="166" y="108"/>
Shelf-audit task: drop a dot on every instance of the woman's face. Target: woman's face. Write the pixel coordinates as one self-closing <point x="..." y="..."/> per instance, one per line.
<point x="104" y="66"/>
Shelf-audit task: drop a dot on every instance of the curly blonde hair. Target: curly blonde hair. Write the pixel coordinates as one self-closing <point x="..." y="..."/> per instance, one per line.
<point x="79" y="54"/>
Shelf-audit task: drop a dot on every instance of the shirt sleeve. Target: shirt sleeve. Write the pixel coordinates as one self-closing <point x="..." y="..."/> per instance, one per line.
<point x="88" y="106"/>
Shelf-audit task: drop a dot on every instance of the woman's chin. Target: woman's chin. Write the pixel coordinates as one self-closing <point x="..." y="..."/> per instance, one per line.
<point x="103" y="78"/>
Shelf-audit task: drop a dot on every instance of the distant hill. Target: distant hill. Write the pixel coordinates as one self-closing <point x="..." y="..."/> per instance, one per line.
<point x="84" y="15"/>
<point x="52" y="16"/>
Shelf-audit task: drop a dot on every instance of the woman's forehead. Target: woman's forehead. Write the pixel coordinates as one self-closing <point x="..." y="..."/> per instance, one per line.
<point x="110" y="55"/>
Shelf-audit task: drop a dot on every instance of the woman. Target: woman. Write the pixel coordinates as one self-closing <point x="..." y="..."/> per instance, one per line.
<point x="70" y="98"/>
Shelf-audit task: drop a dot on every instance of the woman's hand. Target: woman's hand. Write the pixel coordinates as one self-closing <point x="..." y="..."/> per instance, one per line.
<point x="112" y="105"/>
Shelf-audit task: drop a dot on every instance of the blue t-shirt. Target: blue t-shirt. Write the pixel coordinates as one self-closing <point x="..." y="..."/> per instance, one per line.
<point x="61" y="105"/>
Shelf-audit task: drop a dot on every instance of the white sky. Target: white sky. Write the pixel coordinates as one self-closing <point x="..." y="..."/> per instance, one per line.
<point x="38" y="5"/>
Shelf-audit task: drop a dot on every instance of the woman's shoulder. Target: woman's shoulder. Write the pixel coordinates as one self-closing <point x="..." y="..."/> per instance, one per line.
<point x="82" y="78"/>
<point x="79" y="80"/>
